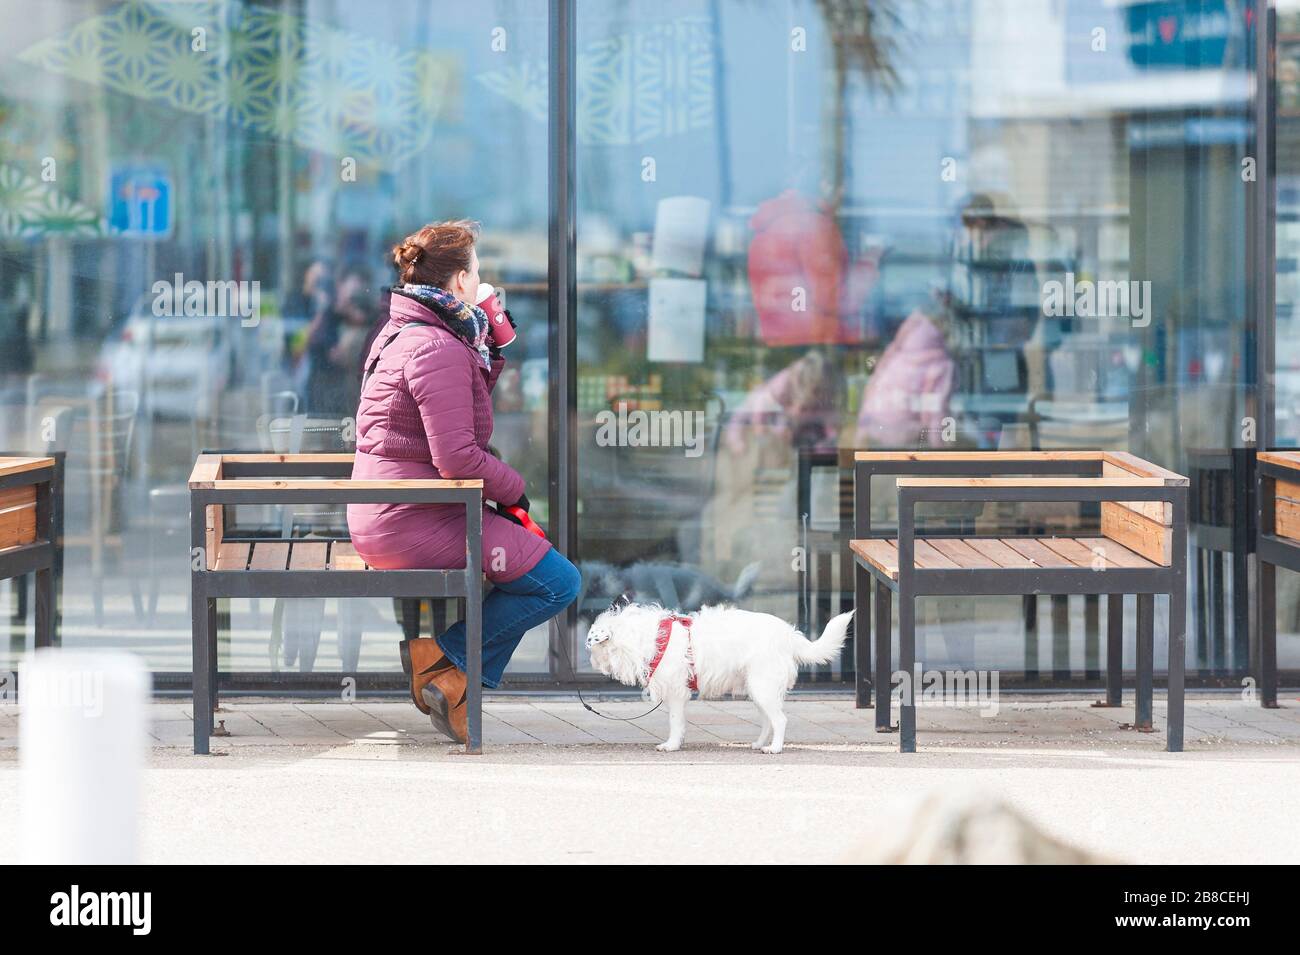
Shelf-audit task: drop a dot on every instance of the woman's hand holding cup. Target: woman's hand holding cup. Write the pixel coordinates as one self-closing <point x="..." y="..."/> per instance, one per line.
<point x="500" y="328"/>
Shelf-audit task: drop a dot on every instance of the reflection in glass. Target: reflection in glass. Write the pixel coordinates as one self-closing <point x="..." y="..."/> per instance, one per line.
<point x="196" y="202"/>
<point x="816" y="227"/>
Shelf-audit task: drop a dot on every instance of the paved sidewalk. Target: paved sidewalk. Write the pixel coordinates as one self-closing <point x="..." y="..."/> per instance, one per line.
<point x="561" y="720"/>
<point x="366" y="782"/>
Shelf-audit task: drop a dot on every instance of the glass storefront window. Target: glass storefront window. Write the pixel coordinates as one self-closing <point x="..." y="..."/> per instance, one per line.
<point x="811" y="227"/>
<point x="803" y="227"/>
<point x="196" y="206"/>
<point x="1285" y="377"/>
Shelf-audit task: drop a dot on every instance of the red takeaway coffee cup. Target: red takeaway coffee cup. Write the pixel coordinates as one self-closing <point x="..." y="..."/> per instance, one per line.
<point x="500" y="330"/>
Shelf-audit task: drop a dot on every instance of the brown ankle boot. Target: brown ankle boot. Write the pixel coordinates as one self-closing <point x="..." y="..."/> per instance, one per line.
<point x="445" y="696"/>
<point x="422" y="660"/>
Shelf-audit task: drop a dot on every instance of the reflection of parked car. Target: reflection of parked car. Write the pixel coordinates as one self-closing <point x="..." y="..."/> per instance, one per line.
<point x="178" y="365"/>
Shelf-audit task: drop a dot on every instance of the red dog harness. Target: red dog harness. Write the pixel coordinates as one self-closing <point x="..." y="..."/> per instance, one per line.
<point x="662" y="636"/>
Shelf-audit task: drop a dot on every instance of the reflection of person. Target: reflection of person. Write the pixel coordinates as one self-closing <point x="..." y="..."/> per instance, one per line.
<point x="906" y="397"/>
<point x="805" y="288"/>
<point x="798" y="404"/>
<point x="356" y="328"/>
<point x="308" y="302"/>
<point x="334" y="337"/>
<point x="315" y="294"/>
<point x="908" y="394"/>
<point x="426" y="412"/>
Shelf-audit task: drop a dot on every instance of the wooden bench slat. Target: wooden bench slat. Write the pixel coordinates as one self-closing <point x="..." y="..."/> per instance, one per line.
<point x="1141" y="467"/>
<point x="1031" y="482"/>
<point x="1007" y="553"/>
<point x="232" y="555"/>
<point x="879" y="553"/>
<point x="339" y="484"/>
<point x="207" y="469"/>
<point x="993" y="554"/>
<point x="18" y="496"/>
<point x="267" y="457"/>
<point x="343" y="556"/>
<point x="1076" y="552"/>
<point x="18" y="525"/>
<point x="269" y="555"/>
<point x="1286" y="518"/>
<point x="1288" y="490"/>
<point x="1153" y="541"/>
<point x="15" y="465"/>
<point x="1283" y="459"/>
<point x="977" y="456"/>
<point x="308" y="555"/>
<point x="1160" y="511"/>
<point x="999" y="554"/>
<point x="1117" y="555"/>
<point x="960" y="552"/>
<point x="928" y="557"/>
<point x="1038" y="552"/>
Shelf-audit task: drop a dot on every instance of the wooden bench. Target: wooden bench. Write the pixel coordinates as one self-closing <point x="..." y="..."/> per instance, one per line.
<point x="224" y="566"/>
<point x="1141" y="550"/>
<point x="31" y="533"/>
<point x="1277" y="544"/>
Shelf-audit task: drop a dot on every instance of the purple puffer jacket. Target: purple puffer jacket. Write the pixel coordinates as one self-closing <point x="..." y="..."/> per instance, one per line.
<point x="426" y="412"/>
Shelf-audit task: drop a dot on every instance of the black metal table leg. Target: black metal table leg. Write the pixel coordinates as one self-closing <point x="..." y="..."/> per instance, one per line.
<point x="884" y="656"/>
<point x="1030" y="602"/>
<point x="1091" y="636"/>
<point x="46" y="609"/>
<point x="410" y="611"/>
<point x="1202" y="615"/>
<point x="18" y="593"/>
<point x="44" y="623"/>
<point x="202" y="695"/>
<point x="1267" y="635"/>
<point x="474" y="626"/>
<point x="907" y="666"/>
<point x="861" y="637"/>
<point x="212" y="655"/>
<point x="1219" y="630"/>
<point x="1146" y="620"/>
<point x="1061" y="637"/>
<point x="1114" y="651"/>
<point x="1177" y="663"/>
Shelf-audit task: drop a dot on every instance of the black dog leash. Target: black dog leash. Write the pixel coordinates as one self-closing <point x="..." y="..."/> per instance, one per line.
<point x="590" y="708"/>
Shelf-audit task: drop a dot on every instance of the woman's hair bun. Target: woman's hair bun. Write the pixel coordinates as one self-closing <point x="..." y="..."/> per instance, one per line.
<point x="435" y="253"/>
<point x="406" y="254"/>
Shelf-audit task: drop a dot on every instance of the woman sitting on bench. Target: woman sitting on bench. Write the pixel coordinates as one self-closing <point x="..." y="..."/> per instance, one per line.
<point x="426" y="413"/>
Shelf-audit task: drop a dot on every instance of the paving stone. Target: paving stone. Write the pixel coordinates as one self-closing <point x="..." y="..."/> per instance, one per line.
<point x="606" y="730"/>
<point x="812" y="722"/>
<point x="544" y="727"/>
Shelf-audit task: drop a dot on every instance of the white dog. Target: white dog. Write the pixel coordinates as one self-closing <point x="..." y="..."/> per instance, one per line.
<point x="719" y="650"/>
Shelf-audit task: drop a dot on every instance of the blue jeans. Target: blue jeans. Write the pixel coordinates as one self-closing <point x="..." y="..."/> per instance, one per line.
<point x="511" y="609"/>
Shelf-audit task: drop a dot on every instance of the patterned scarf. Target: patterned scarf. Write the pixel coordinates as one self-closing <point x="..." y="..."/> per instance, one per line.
<point x="467" y="322"/>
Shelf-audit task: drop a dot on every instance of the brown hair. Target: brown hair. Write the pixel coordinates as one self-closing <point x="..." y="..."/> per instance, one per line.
<point x="436" y="253"/>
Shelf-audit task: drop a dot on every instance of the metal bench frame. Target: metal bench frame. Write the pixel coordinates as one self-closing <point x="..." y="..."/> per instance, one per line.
<point x="43" y="556"/>
<point x="914" y="582"/>
<point x="1271" y="552"/>
<point x="1221" y="518"/>
<point x="270" y="479"/>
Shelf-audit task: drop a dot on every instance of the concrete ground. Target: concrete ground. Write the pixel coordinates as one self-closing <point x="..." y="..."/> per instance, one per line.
<point x="371" y="782"/>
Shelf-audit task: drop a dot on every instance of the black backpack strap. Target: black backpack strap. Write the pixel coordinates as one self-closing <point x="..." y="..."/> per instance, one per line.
<point x="370" y="370"/>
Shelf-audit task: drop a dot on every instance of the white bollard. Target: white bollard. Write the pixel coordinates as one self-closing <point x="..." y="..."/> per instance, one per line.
<point x="82" y="743"/>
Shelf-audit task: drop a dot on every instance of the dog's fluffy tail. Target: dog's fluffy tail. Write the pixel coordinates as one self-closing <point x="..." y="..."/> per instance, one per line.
<point x="824" y="648"/>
